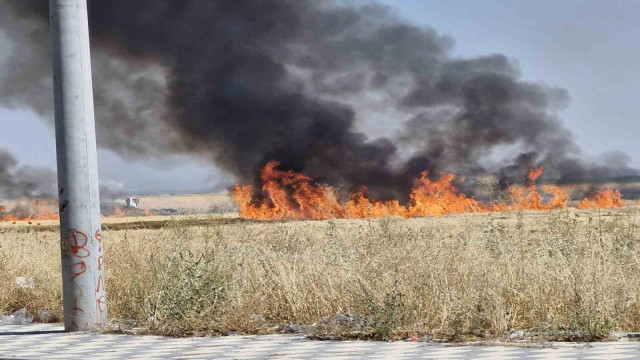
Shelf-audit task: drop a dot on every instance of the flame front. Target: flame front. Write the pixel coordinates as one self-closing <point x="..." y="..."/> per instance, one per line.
<point x="604" y="199"/>
<point x="289" y="195"/>
<point x="436" y="198"/>
<point x="39" y="213"/>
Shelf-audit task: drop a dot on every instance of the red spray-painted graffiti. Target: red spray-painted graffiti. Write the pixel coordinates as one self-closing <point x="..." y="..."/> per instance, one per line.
<point x="101" y="298"/>
<point x="100" y="263"/>
<point x="80" y="248"/>
<point x="78" y="244"/>
<point x="77" y="270"/>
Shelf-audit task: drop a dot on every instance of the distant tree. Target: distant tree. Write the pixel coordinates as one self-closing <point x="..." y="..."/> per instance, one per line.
<point x="490" y="184"/>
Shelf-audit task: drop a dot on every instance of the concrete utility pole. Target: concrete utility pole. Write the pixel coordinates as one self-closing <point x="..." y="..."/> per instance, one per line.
<point x="85" y="302"/>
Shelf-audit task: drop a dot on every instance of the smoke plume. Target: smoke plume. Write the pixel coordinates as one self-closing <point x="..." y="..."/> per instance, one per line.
<point x="25" y="182"/>
<point x="243" y="82"/>
<point x="18" y="181"/>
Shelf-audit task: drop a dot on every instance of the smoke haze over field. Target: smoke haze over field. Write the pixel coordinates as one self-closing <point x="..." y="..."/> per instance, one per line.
<point x="21" y="181"/>
<point x="18" y="181"/>
<point x="244" y="82"/>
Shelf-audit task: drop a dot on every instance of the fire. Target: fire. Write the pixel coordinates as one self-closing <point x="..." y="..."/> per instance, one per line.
<point x="42" y="213"/>
<point x="528" y="198"/>
<point x="307" y="201"/>
<point x="5" y="216"/>
<point x="39" y="213"/>
<point x="436" y="198"/>
<point x="604" y="199"/>
<point x="289" y="195"/>
<point x="117" y="212"/>
<point x="359" y="206"/>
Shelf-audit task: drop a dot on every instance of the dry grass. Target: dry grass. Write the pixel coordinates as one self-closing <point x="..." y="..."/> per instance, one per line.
<point x="569" y="272"/>
<point x="189" y="203"/>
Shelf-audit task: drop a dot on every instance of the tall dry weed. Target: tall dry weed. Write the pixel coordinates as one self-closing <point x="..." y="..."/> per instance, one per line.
<point x="576" y="274"/>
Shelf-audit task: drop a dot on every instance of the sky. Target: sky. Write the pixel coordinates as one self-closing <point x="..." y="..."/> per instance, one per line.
<point x="589" y="48"/>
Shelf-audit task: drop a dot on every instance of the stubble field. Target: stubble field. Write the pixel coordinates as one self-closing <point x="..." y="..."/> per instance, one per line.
<point x="560" y="274"/>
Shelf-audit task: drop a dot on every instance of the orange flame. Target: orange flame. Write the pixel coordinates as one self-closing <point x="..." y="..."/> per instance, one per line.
<point x="117" y="212"/>
<point x="436" y="198"/>
<point x="604" y="199"/>
<point x="527" y="197"/>
<point x="359" y="206"/>
<point x="289" y="195"/>
<point x="5" y="216"/>
<point x="40" y="212"/>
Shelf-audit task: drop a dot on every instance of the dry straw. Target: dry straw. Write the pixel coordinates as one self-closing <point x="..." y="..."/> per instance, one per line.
<point x="567" y="272"/>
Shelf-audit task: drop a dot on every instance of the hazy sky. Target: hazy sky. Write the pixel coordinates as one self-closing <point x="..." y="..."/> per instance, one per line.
<point x="589" y="48"/>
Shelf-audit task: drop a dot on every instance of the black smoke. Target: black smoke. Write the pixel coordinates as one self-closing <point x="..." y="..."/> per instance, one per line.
<point x="20" y="181"/>
<point x="242" y="82"/>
